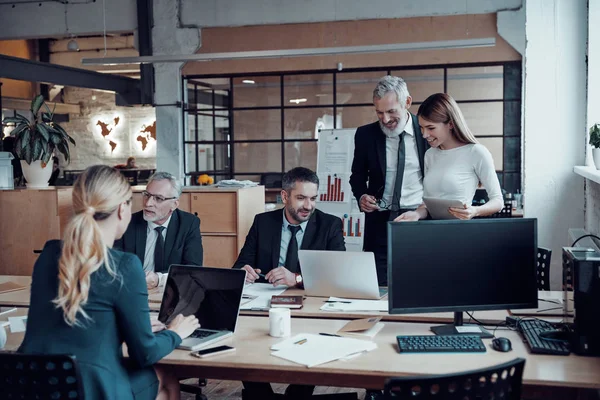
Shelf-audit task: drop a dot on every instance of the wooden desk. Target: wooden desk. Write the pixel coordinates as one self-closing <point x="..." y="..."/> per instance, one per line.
<point x="17" y="298"/>
<point x="252" y="360"/>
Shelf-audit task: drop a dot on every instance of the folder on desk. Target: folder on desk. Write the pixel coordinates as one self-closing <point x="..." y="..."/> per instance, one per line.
<point x="312" y="349"/>
<point x="10" y="287"/>
<point x="342" y="304"/>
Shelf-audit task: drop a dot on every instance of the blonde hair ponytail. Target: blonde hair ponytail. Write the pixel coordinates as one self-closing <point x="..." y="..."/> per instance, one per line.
<point x="97" y="194"/>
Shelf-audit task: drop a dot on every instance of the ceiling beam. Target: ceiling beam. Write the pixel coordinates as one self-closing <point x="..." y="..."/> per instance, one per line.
<point x="13" y="103"/>
<point x="33" y="71"/>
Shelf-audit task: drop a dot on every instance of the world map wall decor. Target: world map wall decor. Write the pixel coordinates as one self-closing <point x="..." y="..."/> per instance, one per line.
<point x="105" y="131"/>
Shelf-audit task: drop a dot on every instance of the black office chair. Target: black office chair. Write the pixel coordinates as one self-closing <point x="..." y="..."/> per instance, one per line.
<point x="271" y="180"/>
<point x="500" y="382"/>
<point x="567" y="279"/>
<point x="543" y="268"/>
<point x="506" y="212"/>
<point x="26" y="376"/>
<point x="144" y="175"/>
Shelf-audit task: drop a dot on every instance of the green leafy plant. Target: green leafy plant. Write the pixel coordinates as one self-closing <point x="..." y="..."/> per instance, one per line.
<point x="37" y="139"/>
<point x="595" y="136"/>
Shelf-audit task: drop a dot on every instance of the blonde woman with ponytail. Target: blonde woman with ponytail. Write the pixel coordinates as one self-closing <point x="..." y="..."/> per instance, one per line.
<point x="87" y="299"/>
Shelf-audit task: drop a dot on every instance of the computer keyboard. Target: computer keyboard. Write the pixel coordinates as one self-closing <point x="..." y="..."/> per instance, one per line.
<point x="199" y="333"/>
<point x="530" y="329"/>
<point x="444" y="343"/>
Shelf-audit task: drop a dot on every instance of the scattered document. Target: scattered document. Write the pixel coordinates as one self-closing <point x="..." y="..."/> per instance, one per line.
<point x="7" y="310"/>
<point x="17" y="324"/>
<point x="365" y="328"/>
<point x="341" y="304"/>
<point x="260" y="303"/>
<point x="10" y="287"/>
<point x="263" y="289"/>
<point x="312" y="349"/>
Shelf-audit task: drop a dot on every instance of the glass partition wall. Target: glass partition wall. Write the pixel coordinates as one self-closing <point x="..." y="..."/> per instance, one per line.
<point x="257" y="126"/>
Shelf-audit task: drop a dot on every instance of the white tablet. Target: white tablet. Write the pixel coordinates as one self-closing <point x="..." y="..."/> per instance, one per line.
<point x="438" y="208"/>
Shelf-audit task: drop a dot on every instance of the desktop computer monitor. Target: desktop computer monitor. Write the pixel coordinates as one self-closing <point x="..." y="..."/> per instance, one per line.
<point x="454" y="265"/>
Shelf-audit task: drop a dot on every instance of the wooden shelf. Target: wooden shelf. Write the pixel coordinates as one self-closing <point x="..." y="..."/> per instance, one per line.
<point x="590" y="173"/>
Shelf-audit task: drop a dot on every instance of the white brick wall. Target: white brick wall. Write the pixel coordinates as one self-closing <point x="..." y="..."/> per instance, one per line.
<point x="91" y="147"/>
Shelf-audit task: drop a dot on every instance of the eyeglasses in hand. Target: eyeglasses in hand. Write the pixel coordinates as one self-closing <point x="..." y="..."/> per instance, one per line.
<point x="384" y="205"/>
<point x="158" y="198"/>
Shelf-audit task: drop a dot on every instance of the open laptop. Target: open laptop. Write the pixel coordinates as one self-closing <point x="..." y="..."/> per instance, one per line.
<point x="340" y="274"/>
<point x="213" y="295"/>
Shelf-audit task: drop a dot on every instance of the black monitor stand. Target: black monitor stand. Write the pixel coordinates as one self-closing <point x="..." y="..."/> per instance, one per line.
<point x="450" y="329"/>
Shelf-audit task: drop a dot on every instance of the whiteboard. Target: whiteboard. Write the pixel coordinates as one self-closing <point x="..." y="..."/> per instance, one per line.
<point x="334" y="162"/>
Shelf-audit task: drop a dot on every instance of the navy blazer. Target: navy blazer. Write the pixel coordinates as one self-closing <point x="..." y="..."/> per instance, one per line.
<point x="183" y="242"/>
<point x="118" y="311"/>
<point x="263" y="242"/>
<point x="369" y="163"/>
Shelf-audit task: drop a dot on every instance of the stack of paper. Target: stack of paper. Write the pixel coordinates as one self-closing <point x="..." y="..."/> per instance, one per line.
<point x="312" y="349"/>
<point x="340" y="304"/>
<point x="258" y="295"/>
<point x="235" y="183"/>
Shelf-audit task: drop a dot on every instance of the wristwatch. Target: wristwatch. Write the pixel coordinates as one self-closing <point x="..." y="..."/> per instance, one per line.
<point x="299" y="281"/>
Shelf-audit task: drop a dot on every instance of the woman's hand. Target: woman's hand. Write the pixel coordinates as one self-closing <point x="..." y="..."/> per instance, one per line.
<point x="184" y="326"/>
<point x="467" y="212"/>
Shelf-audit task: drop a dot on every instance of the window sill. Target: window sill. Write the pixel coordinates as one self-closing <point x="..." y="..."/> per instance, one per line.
<point x="590" y="173"/>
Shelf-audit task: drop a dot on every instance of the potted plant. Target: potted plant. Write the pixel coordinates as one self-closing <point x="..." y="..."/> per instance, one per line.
<point x="36" y="140"/>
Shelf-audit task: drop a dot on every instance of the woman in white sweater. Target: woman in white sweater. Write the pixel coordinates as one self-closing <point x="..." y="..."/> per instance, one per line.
<point x="456" y="163"/>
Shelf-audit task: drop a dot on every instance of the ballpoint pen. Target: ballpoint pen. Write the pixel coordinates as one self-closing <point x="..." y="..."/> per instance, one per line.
<point x="328" y="334"/>
<point x="337" y="301"/>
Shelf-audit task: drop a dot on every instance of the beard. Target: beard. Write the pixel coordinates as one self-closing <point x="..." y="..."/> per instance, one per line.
<point x="295" y="214"/>
<point x="396" y="131"/>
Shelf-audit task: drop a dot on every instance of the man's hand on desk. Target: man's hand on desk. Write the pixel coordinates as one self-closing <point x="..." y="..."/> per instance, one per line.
<point x="281" y="276"/>
<point x="152" y="280"/>
<point x="251" y="273"/>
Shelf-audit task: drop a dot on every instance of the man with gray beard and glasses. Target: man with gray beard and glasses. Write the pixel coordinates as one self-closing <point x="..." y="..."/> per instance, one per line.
<point x="387" y="169"/>
<point x="161" y="234"/>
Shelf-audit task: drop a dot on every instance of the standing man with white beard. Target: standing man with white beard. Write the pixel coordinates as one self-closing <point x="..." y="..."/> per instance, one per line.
<point x="387" y="170"/>
<point x="161" y="234"/>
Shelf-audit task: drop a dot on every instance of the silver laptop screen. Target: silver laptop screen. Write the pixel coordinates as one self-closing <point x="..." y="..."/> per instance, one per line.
<point x="213" y="295"/>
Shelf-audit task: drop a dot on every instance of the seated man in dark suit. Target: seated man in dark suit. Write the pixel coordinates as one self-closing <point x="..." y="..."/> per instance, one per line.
<point x="271" y="248"/>
<point x="161" y="234"/>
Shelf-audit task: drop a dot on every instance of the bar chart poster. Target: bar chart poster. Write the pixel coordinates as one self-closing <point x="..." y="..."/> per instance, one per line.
<point x="353" y="229"/>
<point x="334" y="187"/>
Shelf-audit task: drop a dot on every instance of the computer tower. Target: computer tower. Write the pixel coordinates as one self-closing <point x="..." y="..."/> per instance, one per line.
<point x="582" y="266"/>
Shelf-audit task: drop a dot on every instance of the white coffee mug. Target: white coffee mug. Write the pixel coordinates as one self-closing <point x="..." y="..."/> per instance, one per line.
<point x="280" y="322"/>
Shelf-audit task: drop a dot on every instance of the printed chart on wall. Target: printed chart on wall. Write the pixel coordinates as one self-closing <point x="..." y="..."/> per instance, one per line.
<point x="334" y="161"/>
<point x="353" y="227"/>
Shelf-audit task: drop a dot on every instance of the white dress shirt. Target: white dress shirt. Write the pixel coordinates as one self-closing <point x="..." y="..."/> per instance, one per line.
<point x="286" y="236"/>
<point x="412" y="180"/>
<point x="151" y="237"/>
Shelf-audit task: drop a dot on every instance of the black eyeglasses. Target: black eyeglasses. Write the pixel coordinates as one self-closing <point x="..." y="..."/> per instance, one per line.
<point x="384" y="205"/>
<point x="158" y="198"/>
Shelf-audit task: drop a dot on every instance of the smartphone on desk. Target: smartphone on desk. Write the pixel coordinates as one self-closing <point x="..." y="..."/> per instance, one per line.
<point x="213" y="351"/>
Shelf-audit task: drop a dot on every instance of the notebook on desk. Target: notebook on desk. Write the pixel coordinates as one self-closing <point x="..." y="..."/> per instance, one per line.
<point x="213" y="295"/>
<point x="339" y="273"/>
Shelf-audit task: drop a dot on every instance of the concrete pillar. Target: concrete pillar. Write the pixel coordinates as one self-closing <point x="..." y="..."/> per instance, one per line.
<point x="169" y="38"/>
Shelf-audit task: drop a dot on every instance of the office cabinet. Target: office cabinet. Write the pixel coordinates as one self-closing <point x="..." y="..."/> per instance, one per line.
<point x="30" y="217"/>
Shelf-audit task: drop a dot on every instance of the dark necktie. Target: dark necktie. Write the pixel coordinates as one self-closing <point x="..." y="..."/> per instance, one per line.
<point x="291" y="259"/>
<point x="395" y="206"/>
<point x="159" y="249"/>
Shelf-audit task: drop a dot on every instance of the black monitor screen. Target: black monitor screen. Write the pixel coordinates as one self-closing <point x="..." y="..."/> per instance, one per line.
<point x="452" y="265"/>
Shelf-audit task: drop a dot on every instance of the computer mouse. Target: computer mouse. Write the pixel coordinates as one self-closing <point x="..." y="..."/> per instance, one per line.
<point x="501" y="344"/>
